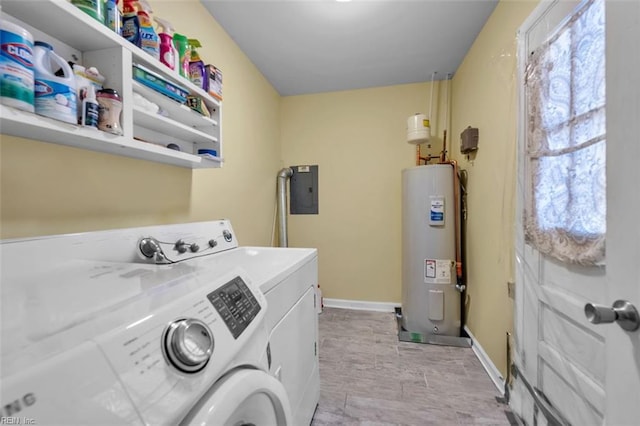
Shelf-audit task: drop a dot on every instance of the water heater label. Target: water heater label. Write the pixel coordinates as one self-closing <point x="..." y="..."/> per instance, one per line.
<point x="437" y="271"/>
<point x="436" y="212"/>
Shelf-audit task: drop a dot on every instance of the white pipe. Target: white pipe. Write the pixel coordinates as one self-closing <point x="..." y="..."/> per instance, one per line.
<point x="448" y="103"/>
<point x="283" y="175"/>
<point x="433" y="77"/>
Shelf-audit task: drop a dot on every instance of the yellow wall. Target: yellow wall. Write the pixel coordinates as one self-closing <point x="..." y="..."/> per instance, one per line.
<point x="358" y="140"/>
<point x="51" y="189"/>
<point x="356" y="137"/>
<point x="485" y="96"/>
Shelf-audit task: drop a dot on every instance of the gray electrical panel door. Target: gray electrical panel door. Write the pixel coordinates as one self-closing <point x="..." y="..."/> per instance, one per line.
<point x="303" y="190"/>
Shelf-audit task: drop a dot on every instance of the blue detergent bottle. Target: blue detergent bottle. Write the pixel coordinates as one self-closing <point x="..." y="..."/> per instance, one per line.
<point x="130" y="22"/>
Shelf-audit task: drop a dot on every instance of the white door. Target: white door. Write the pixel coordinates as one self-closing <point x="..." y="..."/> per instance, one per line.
<point x="242" y="397"/>
<point x="588" y="374"/>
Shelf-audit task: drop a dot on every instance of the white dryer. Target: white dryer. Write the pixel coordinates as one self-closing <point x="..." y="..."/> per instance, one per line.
<point x="93" y="335"/>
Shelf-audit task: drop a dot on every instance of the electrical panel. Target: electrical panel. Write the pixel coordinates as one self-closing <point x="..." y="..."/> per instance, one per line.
<point x="469" y="140"/>
<point x="303" y="190"/>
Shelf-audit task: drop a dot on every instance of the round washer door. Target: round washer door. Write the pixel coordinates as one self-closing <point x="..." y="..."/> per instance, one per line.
<point x="243" y="397"/>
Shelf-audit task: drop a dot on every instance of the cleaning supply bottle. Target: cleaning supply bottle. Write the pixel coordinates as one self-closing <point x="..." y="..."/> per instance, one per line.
<point x="55" y="95"/>
<point x="149" y="41"/>
<point x="196" y="66"/>
<point x="16" y="66"/>
<point x="182" y="46"/>
<point x="130" y="22"/>
<point x="109" y="109"/>
<point x="93" y="8"/>
<point x="90" y="108"/>
<point x="167" y="51"/>
<point x="112" y="18"/>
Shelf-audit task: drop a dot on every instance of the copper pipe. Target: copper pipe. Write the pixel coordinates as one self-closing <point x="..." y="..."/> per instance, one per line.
<point x="426" y="159"/>
<point x="456" y="202"/>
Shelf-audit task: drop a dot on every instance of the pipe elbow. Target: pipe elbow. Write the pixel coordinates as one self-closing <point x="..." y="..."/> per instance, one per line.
<point x="287" y="172"/>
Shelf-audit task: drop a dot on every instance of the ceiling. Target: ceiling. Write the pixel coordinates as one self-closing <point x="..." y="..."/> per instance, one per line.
<point x="313" y="46"/>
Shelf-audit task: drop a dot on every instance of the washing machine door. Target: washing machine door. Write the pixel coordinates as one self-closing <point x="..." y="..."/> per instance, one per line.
<point x="243" y="397"/>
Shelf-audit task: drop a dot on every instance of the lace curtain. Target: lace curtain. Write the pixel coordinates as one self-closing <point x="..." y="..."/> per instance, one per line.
<point x="565" y="210"/>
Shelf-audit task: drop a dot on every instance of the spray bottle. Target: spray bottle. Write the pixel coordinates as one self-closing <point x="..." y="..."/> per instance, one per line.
<point x="130" y="22"/>
<point x="182" y="46"/>
<point x="148" y="38"/>
<point x="197" y="73"/>
<point x="167" y="51"/>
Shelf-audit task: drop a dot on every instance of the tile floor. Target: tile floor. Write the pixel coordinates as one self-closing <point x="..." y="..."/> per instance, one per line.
<point x="368" y="377"/>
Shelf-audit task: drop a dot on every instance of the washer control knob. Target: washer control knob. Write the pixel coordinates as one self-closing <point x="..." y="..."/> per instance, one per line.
<point x="227" y="235"/>
<point x="188" y="344"/>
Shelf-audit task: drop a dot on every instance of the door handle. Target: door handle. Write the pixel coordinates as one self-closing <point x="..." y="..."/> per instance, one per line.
<point x="622" y="312"/>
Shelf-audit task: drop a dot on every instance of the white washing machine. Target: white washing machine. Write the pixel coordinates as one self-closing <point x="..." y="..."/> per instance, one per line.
<point x="94" y="332"/>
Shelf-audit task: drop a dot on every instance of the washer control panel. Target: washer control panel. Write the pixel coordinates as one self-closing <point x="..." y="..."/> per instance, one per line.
<point x="236" y="305"/>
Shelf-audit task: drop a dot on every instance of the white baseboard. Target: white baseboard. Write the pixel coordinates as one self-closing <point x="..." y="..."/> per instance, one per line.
<point x="360" y="305"/>
<point x="486" y="362"/>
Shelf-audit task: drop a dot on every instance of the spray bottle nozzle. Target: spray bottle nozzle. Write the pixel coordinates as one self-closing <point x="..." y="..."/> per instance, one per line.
<point x="143" y="5"/>
<point x="164" y="26"/>
<point x="194" y="43"/>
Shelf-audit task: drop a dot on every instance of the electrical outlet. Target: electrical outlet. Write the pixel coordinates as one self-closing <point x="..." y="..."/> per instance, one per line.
<point x="511" y="289"/>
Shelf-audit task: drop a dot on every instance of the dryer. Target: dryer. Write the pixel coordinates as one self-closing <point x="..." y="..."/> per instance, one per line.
<point x="94" y="331"/>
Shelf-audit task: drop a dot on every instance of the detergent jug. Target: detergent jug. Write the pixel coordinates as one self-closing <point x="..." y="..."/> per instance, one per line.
<point x="55" y="96"/>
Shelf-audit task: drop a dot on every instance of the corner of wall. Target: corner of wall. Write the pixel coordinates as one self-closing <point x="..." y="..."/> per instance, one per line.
<point x="484" y="96"/>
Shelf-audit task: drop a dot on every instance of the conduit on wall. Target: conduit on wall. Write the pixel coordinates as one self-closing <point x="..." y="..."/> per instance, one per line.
<point x="283" y="175"/>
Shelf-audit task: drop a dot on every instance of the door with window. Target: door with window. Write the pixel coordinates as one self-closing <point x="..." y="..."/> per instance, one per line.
<point x="578" y="198"/>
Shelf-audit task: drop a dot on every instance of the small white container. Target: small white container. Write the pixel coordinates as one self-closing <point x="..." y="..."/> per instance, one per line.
<point x="110" y="106"/>
<point x="418" y="129"/>
<point x="16" y="66"/>
<point x="90" y="109"/>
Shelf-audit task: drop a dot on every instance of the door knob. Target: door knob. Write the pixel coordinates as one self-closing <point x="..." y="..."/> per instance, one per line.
<point x="622" y="312"/>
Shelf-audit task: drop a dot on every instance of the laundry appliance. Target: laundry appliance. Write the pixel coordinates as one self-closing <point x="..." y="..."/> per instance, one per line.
<point x="288" y="278"/>
<point x="156" y="325"/>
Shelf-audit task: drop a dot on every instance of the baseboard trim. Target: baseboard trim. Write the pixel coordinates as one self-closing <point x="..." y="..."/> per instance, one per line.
<point x="360" y="305"/>
<point x="489" y="366"/>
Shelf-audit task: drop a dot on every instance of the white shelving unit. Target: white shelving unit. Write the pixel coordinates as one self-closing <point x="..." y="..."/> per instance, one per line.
<point x="73" y="33"/>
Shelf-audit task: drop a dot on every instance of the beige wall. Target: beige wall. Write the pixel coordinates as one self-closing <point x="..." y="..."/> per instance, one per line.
<point x="356" y="137"/>
<point x="51" y="189"/>
<point x="358" y="140"/>
<point x="484" y="96"/>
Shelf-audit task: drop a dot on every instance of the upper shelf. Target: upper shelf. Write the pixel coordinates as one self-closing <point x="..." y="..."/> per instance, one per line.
<point x="65" y="22"/>
<point x="74" y="30"/>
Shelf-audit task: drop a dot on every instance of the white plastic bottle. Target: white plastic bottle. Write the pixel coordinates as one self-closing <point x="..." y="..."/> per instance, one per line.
<point x="90" y="108"/>
<point x="55" y="96"/>
<point x="16" y="66"/>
